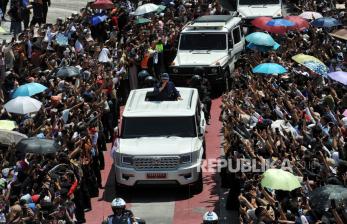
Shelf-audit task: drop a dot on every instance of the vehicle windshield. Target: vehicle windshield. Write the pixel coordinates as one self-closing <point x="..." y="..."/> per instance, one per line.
<point x="259" y="2"/>
<point x="203" y="41"/>
<point x="136" y="127"/>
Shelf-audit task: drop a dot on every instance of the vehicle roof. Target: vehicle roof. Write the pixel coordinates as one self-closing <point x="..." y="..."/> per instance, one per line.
<point x="137" y="106"/>
<point x="212" y="23"/>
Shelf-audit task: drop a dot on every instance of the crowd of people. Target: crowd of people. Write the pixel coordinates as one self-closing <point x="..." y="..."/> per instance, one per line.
<point x="80" y="110"/>
<point x="298" y="118"/>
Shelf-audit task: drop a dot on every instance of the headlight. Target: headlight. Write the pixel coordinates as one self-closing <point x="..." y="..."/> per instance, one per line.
<point x="127" y="160"/>
<point x="186" y="158"/>
<point x="175" y="70"/>
<point x="214" y="70"/>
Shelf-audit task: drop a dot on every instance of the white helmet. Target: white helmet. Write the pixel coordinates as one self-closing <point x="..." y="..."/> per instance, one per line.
<point x="118" y="203"/>
<point x="210" y="218"/>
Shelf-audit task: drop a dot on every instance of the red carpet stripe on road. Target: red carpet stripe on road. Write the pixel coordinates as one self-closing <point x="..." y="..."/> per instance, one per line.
<point x="190" y="211"/>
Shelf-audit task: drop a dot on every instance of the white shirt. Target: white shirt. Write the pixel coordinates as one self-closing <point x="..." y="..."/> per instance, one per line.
<point x="103" y="56"/>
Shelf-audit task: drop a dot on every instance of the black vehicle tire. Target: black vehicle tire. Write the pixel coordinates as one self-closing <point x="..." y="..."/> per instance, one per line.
<point x="227" y="80"/>
<point x="204" y="148"/>
<point x="198" y="185"/>
<point x="120" y="189"/>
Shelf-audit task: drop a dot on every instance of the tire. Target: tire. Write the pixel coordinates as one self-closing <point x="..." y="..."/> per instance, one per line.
<point x="227" y="80"/>
<point x="204" y="148"/>
<point x="198" y="185"/>
<point x="120" y="189"/>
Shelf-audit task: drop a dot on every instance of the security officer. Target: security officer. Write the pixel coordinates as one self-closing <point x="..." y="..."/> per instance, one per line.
<point x="204" y="94"/>
<point x="120" y="214"/>
<point x="166" y="90"/>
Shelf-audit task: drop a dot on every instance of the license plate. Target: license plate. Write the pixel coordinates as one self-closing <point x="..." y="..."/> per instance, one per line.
<point x="156" y="175"/>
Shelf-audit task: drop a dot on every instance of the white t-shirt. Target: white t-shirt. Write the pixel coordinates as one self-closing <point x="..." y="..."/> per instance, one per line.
<point x="103" y="56"/>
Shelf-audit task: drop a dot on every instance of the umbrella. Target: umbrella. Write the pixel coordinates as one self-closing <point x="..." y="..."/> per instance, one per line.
<point x="37" y="145"/>
<point x="2" y="30"/>
<point x="310" y="15"/>
<point x="68" y="71"/>
<point x="325" y="22"/>
<point x="269" y="68"/>
<point x="23" y="105"/>
<point x="340" y="77"/>
<point x="98" y="18"/>
<point x="280" y="22"/>
<point x="8" y="137"/>
<point x="321" y="197"/>
<point x="145" y="8"/>
<point x="161" y="8"/>
<point x="300" y="23"/>
<point x="278" y="179"/>
<point x="261" y="22"/>
<point x="61" y="39"/>
<point x="142" y="20"/>
<point x="8" y="125"/>
<point x="262" y="48"/>
<point x="103" y="4"/>
<point x="316" y="67"/>
<point x="342" y="34"/>
<point x="29" y="89"/>
<point x="260" y="38"/>
<point x="301" y="58"/>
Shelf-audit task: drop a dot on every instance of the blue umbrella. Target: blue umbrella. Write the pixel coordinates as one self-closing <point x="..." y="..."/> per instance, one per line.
<point x="280" y="22"/>
<point x="29" y="89"/>
<point x="97" y="19"/>
<point x="262" y="48"/>
<point x="269" y="68"/>
<point x="317" y="67"/>
<point x="260" y="38"/>
<point x="326" y="22"/>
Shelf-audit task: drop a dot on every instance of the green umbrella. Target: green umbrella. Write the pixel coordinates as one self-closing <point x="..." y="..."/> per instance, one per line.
<point x="278" y="179"/>
<point x="141" y="20"/>
<point x="161" y="8"/>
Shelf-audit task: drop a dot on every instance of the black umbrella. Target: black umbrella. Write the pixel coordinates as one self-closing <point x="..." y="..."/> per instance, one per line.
<point x="320" y="198"/>
<point x="37" y="145"/>
<point x="68" y="71"/>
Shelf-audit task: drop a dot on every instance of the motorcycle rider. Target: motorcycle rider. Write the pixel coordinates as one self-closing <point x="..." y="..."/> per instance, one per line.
<point x="149" y="82"/>
<point x="120" y="214"/>
<point x="210" y="218"/>
<point x="205" y="96"/>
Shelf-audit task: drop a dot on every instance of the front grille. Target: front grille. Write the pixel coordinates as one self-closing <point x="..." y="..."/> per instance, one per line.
<point x="155" y="163"/>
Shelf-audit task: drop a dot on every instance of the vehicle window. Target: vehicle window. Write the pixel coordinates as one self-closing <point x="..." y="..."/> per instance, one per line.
<point x="258" y="2"/>
<point x="230" y="41"/>
<point x="237" y="35"/>
<point x="203" y="41"/>
<point x="136" y="127"/>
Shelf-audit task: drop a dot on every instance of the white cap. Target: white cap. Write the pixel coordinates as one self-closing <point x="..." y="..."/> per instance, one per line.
<point x="210" y="217"/>
<point x="118" y="203"/>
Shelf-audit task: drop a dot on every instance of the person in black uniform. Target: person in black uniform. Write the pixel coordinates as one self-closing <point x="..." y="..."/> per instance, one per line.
<point x="204" y="94"/>
<point x="46" y="4"/>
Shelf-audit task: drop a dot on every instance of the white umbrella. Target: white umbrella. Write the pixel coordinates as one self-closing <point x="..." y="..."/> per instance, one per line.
<point x="145" y="8"/>
<point x="23" y="105"/>
<point x="8" y="137"/>
<point x="310" y="15"/>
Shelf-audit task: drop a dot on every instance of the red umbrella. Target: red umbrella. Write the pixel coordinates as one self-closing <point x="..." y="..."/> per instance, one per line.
<point x="103" y="4"/>
<point x="261" y="22"/>
<point x="300" y="23"/>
